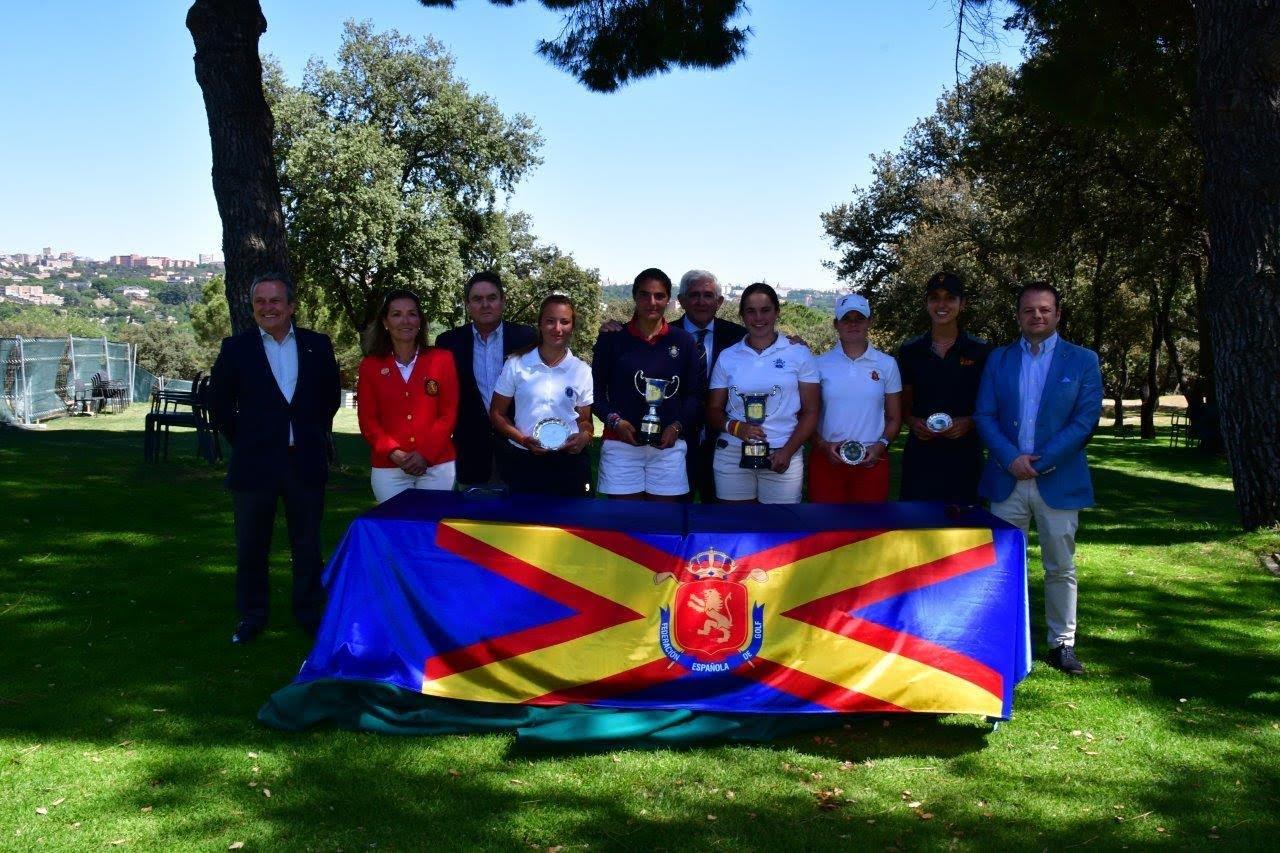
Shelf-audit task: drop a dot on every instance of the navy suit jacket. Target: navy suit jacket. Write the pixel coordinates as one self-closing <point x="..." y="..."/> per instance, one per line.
<point x="725" y="334"/>
<point x="473" y="435"/>
<point x="246" y="406"/>
<point x="1070" y="406"/>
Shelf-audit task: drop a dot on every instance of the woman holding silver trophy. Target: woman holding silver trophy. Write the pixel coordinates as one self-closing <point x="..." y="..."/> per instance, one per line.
<point x="861" y="415"/>
<point x="765" y="397"/>
<point x="648" y="385"/>
<point x="551" y="391"/>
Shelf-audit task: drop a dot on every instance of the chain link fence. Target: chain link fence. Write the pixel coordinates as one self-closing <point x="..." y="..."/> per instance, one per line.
<point x="45" y="377"/>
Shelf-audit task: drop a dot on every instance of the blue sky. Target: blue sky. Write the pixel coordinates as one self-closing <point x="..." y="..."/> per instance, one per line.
<point x="105" y="147"/>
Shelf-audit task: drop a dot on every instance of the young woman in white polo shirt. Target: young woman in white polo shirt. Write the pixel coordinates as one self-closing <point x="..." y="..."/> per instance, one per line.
<point x="763" y="362"/>
<point x="861" y="388"/>
<point x="547" y="385"/>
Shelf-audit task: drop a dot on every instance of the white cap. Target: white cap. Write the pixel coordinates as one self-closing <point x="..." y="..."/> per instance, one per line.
<point x="853" y="302"/>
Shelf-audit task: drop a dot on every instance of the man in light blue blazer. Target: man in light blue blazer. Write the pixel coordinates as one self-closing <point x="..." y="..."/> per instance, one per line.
<point x="1038" y="404"/>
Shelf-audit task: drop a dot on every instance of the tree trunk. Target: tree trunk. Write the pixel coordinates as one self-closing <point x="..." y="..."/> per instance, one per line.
<point x="1122" y="382"/>
<point x="1151" y="385"/>
<point x="1238" y="122"/>
<point x="245" y="185"/>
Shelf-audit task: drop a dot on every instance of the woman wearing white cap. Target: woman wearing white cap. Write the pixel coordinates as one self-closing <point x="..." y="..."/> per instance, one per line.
<point x="764" y="362"/>
<point x="861" y="412"/>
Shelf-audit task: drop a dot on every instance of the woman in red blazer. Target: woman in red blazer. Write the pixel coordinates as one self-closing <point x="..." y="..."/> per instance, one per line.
<point x="407" y="399"/>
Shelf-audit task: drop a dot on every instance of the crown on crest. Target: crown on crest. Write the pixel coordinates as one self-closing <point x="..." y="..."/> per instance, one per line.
<point x="711" y="564"/>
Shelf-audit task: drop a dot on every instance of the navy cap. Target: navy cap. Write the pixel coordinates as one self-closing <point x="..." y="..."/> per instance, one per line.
<point x="949" y="282"/>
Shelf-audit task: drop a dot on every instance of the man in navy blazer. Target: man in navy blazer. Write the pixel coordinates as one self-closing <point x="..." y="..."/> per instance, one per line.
<point x="1038" y="404"/>
<point x="273" y="394"/>
<point x="700" y="297"/>
<point x="479" y="348"/>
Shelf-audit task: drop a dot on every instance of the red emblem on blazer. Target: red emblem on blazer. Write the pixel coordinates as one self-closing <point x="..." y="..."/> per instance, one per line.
<point x="432" y="387"/>
<point x="967" y="362"/>
<point x="875" y="376"/>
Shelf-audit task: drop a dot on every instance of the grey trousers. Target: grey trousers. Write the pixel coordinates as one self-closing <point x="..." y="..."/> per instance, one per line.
<point x="1057" y="531"/>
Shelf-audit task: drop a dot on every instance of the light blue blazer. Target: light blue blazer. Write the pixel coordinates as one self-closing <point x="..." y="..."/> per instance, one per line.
<point x="1069" y="410"/>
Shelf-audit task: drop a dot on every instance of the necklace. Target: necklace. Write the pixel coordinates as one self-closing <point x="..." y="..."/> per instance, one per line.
<point x="563" y="353"/>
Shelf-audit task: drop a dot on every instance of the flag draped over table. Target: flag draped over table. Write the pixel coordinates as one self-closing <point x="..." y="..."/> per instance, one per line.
<point x="751" y="609"/>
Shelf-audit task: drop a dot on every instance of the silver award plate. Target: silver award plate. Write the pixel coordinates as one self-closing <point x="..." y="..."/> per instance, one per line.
<point x="853" y="452"/>
<point x="938" y="422"/>
<point x="551" y="433"/>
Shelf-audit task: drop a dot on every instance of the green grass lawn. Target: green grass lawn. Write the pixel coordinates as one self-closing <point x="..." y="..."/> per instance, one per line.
<point x="127" y="718"/>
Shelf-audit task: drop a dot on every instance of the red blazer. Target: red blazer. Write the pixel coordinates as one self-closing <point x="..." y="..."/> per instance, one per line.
<point x="415" y="415"/>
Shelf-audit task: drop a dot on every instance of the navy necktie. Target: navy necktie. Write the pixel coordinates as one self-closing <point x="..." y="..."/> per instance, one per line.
<point x="701" y="337"/>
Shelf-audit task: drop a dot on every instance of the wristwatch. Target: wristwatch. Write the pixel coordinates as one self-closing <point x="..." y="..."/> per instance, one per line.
<point x="882" y="440"/>
<point x="612" y="420"/>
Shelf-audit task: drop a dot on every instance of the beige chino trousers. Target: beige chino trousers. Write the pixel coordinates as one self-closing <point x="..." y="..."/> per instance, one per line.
<point x="1057" y="531"/>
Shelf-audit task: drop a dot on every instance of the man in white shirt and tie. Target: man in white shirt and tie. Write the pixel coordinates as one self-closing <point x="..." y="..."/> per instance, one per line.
<point x="700" y="297"/>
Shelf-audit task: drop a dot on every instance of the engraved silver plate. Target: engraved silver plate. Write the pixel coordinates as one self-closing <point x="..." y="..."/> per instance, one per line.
<point x="853" y="452"/>
<point x="551" y="433"/>
<point x="938" y="422"/>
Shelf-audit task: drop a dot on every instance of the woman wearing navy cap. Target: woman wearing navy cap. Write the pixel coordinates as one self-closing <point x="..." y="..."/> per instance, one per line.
<point x="941" y="371"/>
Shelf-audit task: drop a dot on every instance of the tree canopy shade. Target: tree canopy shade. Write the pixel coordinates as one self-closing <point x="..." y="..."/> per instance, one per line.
<point x="389" y="169"/>
<point x="606" y="43"/>
<point x="996" y="188"/>
<point x="1207" y="69"/>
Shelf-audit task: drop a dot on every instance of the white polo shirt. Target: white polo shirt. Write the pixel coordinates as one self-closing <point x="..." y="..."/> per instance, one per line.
<point x="853" y="392"/>
<point x="783" y="364"/>
<point x="545" y="392"/>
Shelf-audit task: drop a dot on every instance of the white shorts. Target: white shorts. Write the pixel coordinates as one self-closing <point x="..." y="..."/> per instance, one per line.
<point x="389" y="482"/>
<point x="627" y="470"/>
<point x="765" y="485"/>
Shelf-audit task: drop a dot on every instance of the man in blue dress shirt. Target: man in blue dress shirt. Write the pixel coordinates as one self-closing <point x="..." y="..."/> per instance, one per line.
<point x="1038" y="405"/>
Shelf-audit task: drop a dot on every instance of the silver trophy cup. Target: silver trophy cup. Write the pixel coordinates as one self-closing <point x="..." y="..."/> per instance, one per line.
<point x="654" y="392"/>
<point x="755" y="451"/>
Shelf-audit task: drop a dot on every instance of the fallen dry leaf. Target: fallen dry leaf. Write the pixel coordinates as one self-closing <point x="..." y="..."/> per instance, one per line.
<point x="914" y="804"/>
<point x="41" y="810"/>
<point x="454" y="773"/>
<point x="266" y="792"/>
<point x="235" y="845"/>
<point x="58" y="801"/>
<point x="829" y="800"/>
<point x="146" y="809"/>
<point x="253" y="755"/>
<point x="711" y="817"/>
<point x="118" y="842"/>
<point x="729" y="795"/>
<point x="516" y="781"/>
